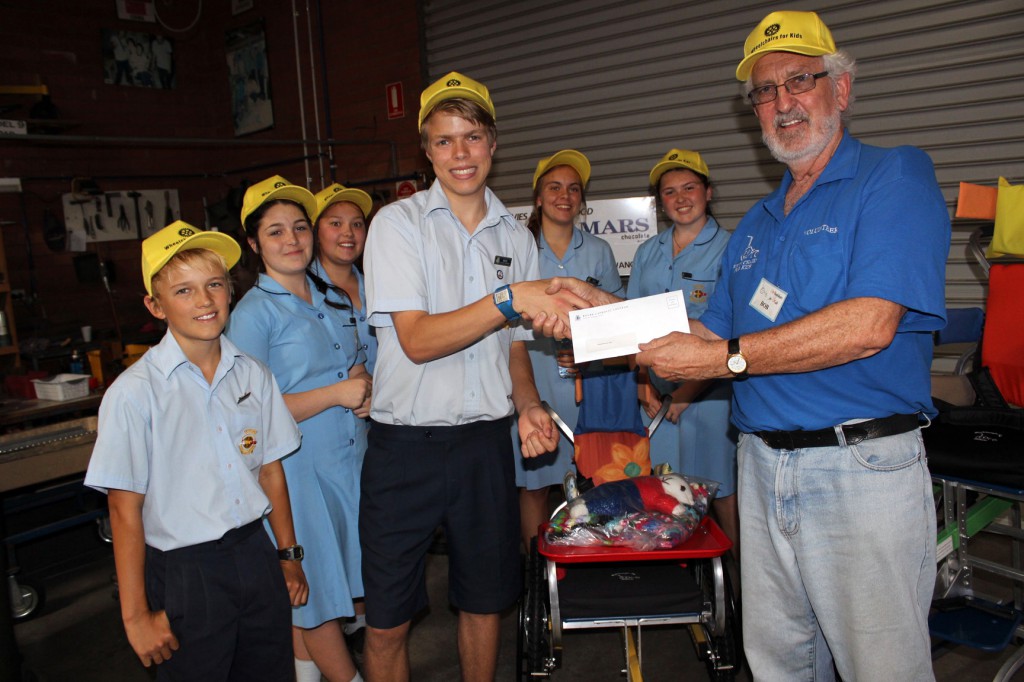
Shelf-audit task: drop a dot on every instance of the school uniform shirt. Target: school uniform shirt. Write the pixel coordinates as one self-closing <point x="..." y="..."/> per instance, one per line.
<point x="588" y="258"/>
<point x="193" y="448"/>
<point x="367" y="334"/>
<point x="874" y="224"/>
<point x="701" y="443"/>
<point x="310" y="346"/>
<point x="420" y="257"/>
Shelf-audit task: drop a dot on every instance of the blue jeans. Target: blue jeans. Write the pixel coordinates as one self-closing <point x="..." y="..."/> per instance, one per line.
<point x="838" y="560"/>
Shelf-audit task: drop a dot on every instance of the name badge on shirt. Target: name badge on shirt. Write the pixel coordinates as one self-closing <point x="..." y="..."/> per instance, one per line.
<point x="501" y="265"/>
<point x="768" y="299"/>
<point x="594" y="281"/>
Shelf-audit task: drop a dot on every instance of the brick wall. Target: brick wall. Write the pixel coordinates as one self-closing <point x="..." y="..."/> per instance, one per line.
<point x="58" y="43"/>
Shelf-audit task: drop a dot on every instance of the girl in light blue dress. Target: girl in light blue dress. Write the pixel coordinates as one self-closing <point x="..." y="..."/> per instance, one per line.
<point x="305" y="331"/>
<point x="696" y="437"/>
<point x="565" y="251"/>
<point x="340" y="231"/>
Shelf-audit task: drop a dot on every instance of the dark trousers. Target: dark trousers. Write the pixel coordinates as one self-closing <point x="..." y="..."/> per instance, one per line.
<point x="228" y="605"/>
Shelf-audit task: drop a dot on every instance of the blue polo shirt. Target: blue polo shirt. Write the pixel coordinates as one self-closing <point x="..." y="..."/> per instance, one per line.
<point x="874" y="224"/>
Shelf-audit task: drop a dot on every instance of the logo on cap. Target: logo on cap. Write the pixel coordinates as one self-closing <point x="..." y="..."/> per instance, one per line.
<point x="279" y="184"/>
<point x="186" y="232"/>
<point x="453" y="82"/>
<point x="772" y="30"/>
<point x="673" y="157"/>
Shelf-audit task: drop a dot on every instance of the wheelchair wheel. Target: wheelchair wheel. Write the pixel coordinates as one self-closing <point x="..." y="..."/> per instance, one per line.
<point x="533" y="636"/>
<point x="720" y="650"/>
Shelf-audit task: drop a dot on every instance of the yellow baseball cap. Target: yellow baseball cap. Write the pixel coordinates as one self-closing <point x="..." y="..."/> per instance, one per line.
<point x="567" y="157"/>
<point x="454" y="86"/>
<point x="276" y="187"/>
<point x="679" y="158"/>
<point x="336" y="192"/>
<point x="180" y="236"/>
<point x="800" y="32"/>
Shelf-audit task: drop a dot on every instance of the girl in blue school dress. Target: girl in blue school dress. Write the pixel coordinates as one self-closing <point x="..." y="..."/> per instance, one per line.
<point x="340" y="233"/>
<point x="558" y="196"/>
<point x="305" y="331"/>
<point x="340" y="230"/>
<point x="697" y="439"/>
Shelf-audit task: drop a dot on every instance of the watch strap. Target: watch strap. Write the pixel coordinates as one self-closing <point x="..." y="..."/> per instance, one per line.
<point x="293" y="553"/>
<point x="503" y="299"/>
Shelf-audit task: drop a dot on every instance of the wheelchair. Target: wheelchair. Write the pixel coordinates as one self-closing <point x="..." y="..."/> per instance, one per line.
<point x="974" y="453"/>
<point x="615" y="587"/>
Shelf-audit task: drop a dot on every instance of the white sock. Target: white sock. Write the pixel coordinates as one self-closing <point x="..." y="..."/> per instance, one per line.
<point x="357" y="678"/>
<point x="306" y="671"/>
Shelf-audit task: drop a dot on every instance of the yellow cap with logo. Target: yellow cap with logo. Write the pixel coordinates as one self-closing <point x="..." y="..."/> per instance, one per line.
<point x="678" y="158"/>
<point x="337" y="192"/>
<point x="180" y="236"/>
<point x="454" y="86"/>
<point x="788" y="31"/>
<point x="567" y="157"/>
<point x="276" y="187"/>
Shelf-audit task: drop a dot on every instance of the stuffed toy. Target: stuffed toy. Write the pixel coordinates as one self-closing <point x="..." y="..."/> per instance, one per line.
<point x="668" y="494"/>
<point x="644" y="512"/>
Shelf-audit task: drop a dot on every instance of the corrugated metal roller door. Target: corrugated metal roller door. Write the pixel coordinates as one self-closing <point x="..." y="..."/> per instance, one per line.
<point x="625" y="81"/>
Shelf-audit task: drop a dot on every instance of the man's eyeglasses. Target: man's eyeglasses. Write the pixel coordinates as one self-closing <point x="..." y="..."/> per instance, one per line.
<point x="794" y="86"/>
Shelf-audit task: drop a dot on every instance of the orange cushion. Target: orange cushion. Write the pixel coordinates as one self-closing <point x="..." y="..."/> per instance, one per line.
<point x="612" y="456"/>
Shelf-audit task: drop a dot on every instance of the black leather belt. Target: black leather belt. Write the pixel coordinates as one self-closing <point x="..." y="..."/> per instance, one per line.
<point x="854" y="433"/>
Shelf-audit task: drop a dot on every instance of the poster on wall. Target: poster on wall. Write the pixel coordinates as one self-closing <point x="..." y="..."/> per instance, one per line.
<point x="624" y="223"/>
<point x="111" y="216"/>
<point x="136" y="10"/>
<point x="141" y="59"/>
<point x="249" y="79"/>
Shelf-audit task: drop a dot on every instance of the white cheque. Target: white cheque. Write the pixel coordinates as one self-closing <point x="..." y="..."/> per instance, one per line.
<point x="616" y="329"/>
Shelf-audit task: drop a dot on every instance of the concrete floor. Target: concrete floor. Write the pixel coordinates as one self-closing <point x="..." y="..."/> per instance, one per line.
<point x="77" y="635"/>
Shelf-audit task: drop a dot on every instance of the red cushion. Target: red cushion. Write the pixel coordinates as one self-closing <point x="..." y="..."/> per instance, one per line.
<point x="1002" y="344"/>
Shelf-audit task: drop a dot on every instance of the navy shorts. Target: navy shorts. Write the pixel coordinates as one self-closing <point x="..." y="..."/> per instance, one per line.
<point x="228" y="605"/>
<point x="417" y="478"/>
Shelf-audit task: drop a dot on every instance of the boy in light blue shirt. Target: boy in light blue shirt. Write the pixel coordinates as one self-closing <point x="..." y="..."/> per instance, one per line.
<point x="188" y="450"/>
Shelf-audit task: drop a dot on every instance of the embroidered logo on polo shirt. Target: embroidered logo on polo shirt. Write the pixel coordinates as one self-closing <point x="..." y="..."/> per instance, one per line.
<point x="821" y="228"/>
<point x="749" y="256"/>
<point x="698" y="295"/>
<point x="248" y="443"/>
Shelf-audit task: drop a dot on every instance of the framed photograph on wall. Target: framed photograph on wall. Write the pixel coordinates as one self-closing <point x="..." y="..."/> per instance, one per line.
<point x="249" y="79"/>
<point x="144" y="60"/>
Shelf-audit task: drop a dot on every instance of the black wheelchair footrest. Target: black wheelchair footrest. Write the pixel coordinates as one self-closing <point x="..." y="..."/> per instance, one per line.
<point x="628" y="590"/>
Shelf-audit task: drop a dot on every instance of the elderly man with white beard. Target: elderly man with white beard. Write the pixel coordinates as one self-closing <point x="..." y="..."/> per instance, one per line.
<point x="831" y="287"/>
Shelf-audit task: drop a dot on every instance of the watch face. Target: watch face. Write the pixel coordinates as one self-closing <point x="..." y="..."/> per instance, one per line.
<point x="736" y="364"/>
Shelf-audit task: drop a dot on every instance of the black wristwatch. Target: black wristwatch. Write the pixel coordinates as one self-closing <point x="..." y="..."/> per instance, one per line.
<point x="293" y="553"/>
<point x="735" y="362"/>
